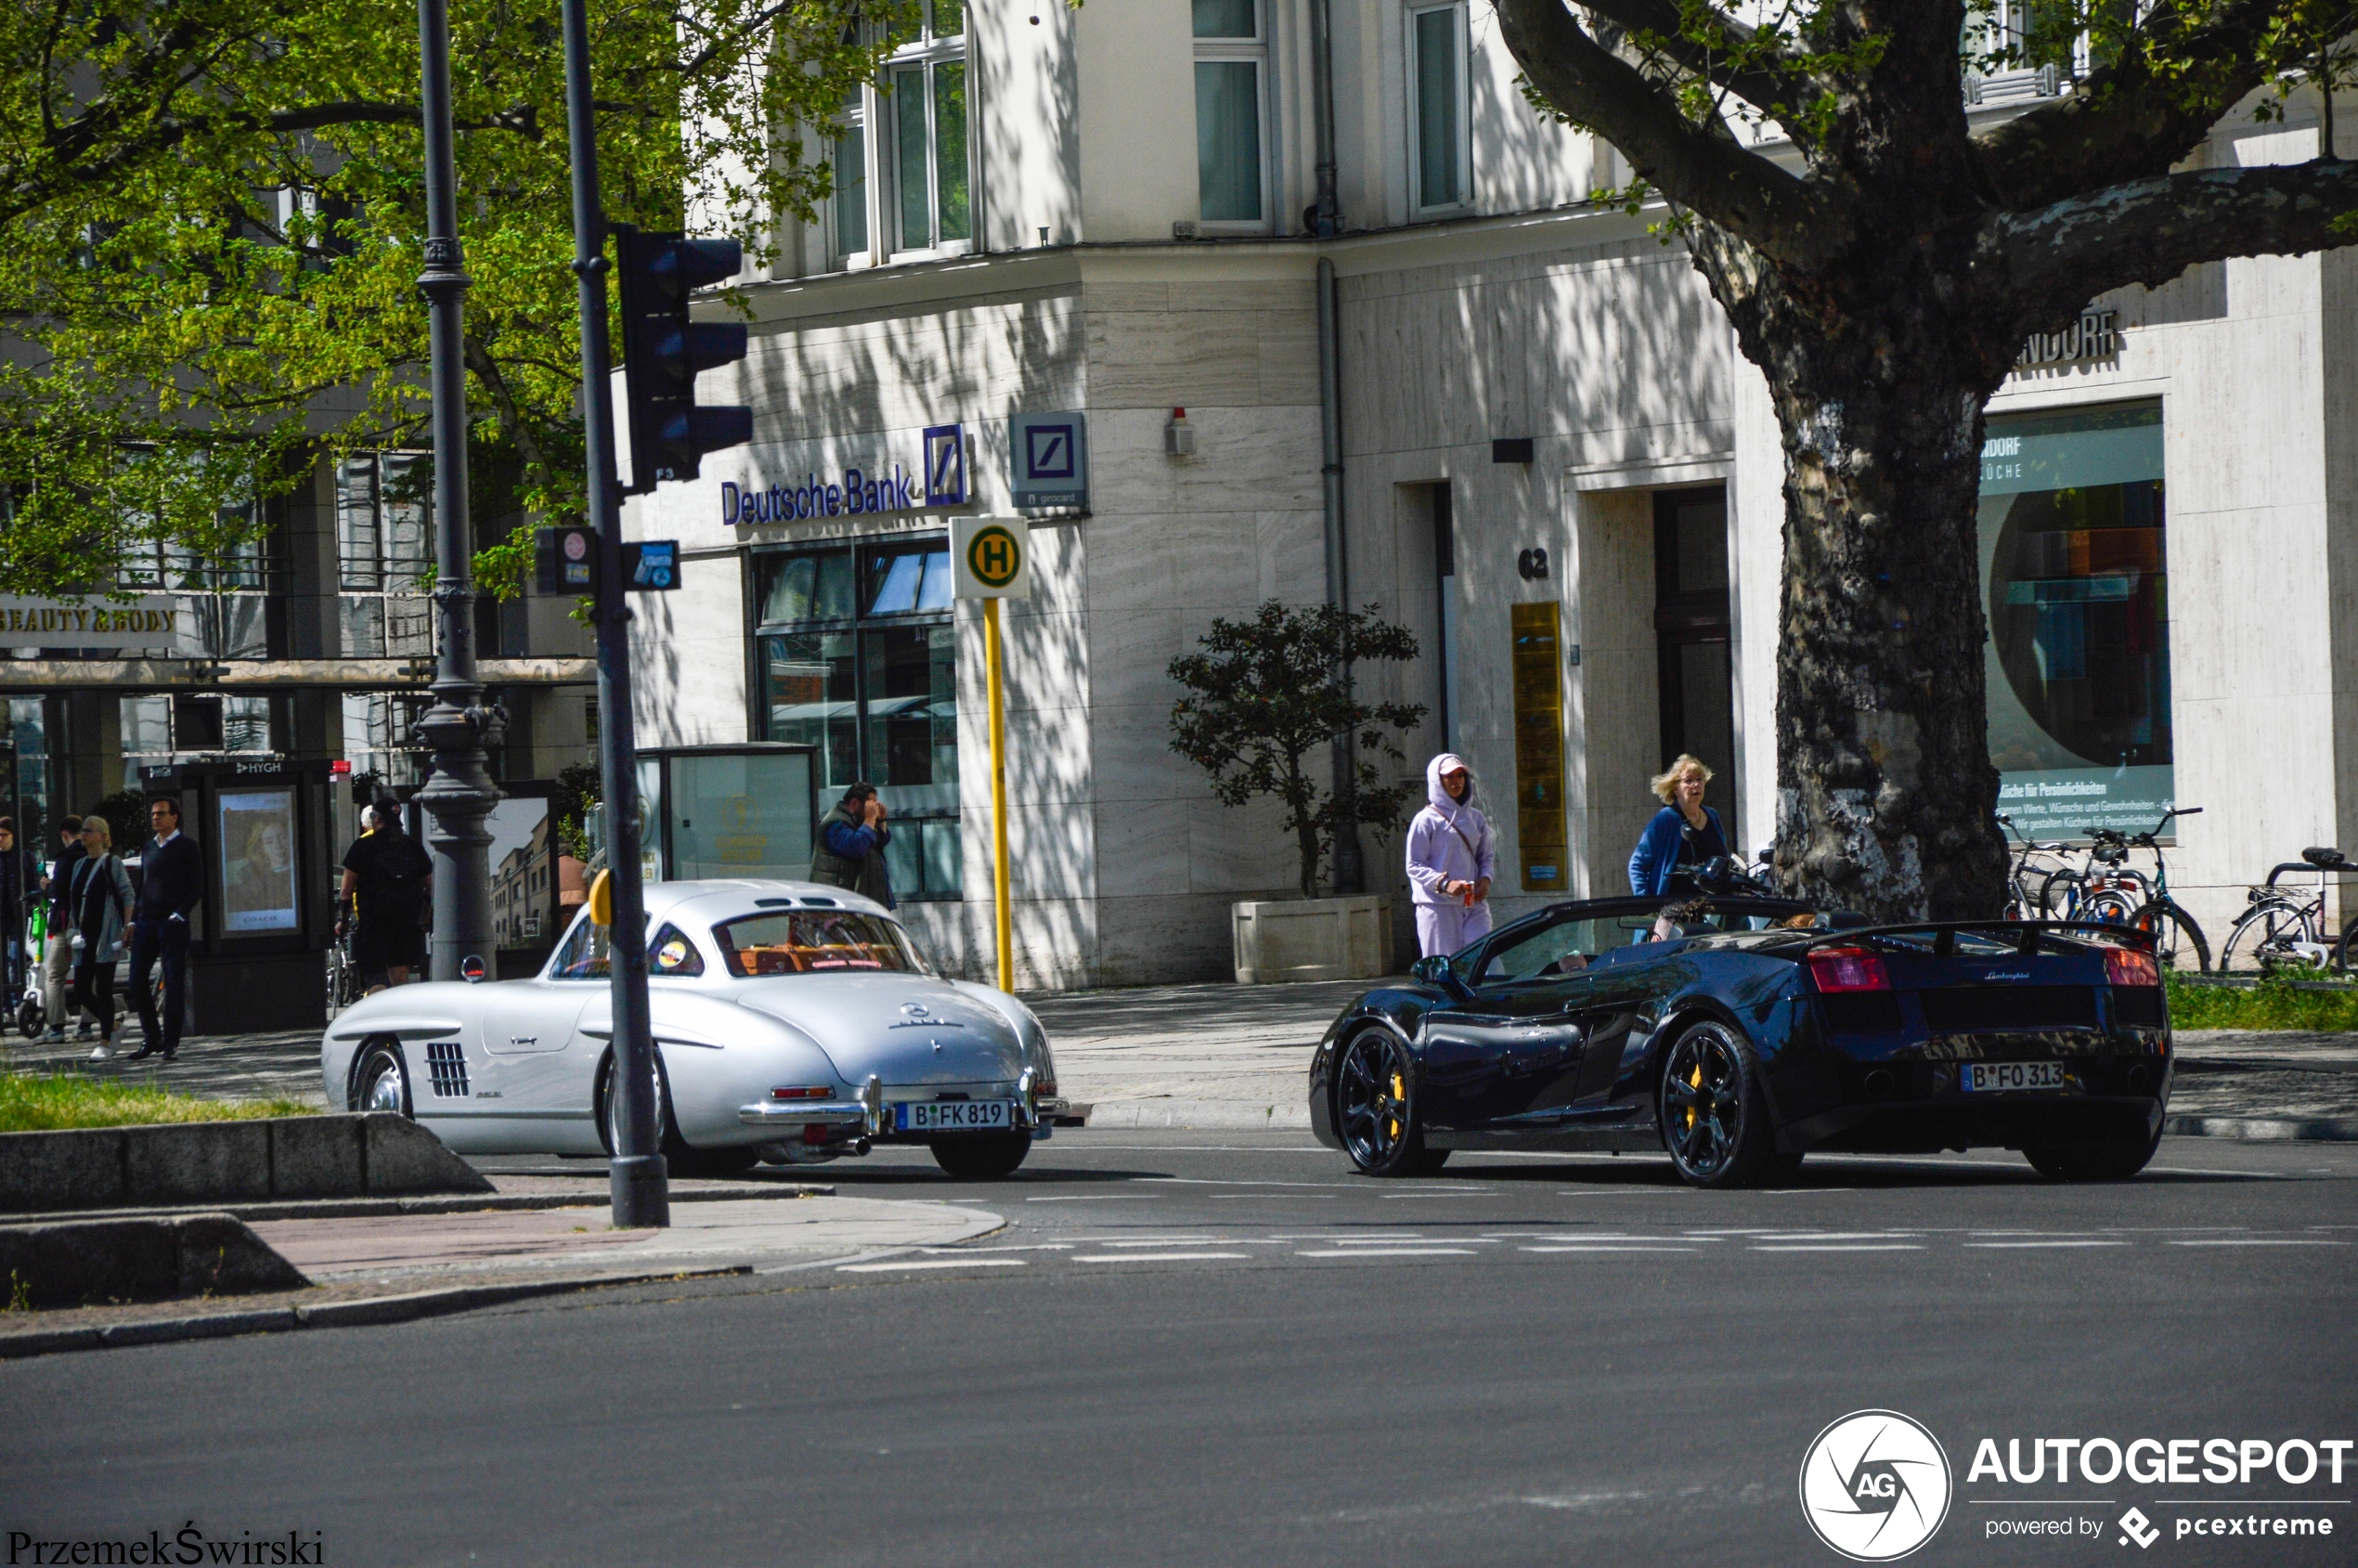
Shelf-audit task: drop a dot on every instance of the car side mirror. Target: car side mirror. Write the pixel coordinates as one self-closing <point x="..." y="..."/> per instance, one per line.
<point x="1435" y="970"/>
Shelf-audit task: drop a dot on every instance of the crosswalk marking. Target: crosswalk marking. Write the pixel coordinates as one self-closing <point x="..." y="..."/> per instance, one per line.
<point x="1392" y="1252"/>
<point x="930" y="1262"/>
<point x="1154" y="1257"/>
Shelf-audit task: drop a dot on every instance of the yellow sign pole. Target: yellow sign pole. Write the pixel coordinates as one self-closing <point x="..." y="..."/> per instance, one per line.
<point x="999" y="797"/>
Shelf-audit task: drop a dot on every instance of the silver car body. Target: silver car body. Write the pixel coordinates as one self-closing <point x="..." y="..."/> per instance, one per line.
<point x="513" y="1067"/>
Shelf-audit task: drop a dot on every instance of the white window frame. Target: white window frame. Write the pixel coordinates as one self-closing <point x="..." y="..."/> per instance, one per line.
<point x="1463" y="130"/>
<point x="883" y="119"/>
<point x="859" y="114"/>
<point x="1255" y="51"/>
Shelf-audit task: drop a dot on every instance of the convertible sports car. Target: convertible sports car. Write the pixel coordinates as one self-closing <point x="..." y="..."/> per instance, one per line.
<point x="794" y="1023"/>
<point x="1757" y="1028"/>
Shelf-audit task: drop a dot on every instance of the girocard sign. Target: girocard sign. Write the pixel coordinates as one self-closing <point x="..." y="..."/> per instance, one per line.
<point x="150" y="621"/>
<point x="856" y="492"/>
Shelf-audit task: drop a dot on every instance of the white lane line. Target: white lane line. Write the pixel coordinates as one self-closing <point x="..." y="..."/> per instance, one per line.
<point x="1392" y="1252"/>
<point x="2261" y="1241"/>
<point x="1775" y="1237"/>
<point x="2017" y="1245"/>
<point x="1161" y="1241"/>
<point x="930" y="1262"/>
<point x="1844" y="1247"/>
<point x="1091" y="1197"/>
<point x="1404" y="1197"/>
<point x="1609" y="1247"/>
<point x="1027" y="1247"/>
<point x="1154" y="1257"/>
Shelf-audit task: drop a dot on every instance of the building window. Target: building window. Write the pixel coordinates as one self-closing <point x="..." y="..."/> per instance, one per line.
<point x="1691" y="627"/>
<point x="2077" y="662"/>
<point x="1232" y="59"/>
<point x="857" y="657"/>
<point x="1437" y="89"/>
<point x="384" y="543"/>
<point x="923" y="110"/>
<point x="851" y="166"/>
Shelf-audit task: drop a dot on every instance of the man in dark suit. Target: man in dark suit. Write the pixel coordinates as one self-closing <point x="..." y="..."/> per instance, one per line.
<point x="171" y="883"/>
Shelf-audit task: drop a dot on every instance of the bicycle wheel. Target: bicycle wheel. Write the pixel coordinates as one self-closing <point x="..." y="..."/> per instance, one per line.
<point x="2059" y="895"/>
<point x="2263" y="936"/>
<point x="2178" y="942"/>
<point x="2346" y="950"/>
<point x="2111" y="906"/>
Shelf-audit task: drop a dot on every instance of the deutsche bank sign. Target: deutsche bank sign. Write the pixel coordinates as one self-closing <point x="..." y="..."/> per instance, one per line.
<point x="1048" y="459"/>
<point x="859" y="491"/>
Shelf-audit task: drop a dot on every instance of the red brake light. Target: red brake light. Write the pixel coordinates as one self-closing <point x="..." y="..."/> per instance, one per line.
<point x="1848" y="968"/>
<point x="815" y="1092"/>
<point x="2126" y="965"/>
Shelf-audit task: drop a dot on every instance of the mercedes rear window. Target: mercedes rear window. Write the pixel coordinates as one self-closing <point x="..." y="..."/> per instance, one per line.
<point x="804" y="942"/>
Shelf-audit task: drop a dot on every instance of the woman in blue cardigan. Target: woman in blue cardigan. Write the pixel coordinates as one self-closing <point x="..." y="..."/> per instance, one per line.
<point x="1683" y="835"/>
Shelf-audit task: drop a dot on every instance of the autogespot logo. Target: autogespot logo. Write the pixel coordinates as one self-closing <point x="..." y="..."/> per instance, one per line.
<point x="1874" y="1486"/>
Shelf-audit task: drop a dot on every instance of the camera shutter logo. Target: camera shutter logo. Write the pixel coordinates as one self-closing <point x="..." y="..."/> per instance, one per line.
<point x="1875" y="1485"/>
<point x="993" y="556"/>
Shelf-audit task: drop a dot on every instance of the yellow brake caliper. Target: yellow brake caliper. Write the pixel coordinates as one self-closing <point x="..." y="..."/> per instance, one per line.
<point x="1399" y="1092"/>
<point x="1694" y="1081"/>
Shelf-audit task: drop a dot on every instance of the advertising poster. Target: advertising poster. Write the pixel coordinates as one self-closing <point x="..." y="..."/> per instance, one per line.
<point x="257" y="837"/>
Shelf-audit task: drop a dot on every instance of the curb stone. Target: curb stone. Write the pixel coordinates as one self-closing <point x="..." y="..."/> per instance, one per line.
<point x="2265" y="1129"/>
<point x="366" y="1208"/>
<point x="367" y="1312"/>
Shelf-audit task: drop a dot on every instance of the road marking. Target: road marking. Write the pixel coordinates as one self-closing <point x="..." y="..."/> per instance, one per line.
<point x="1155" y="1257"/>
<point x="1158" y="1241"/>
<point x="1609" y="1247"/>
<point x="1782" y="1236"/>
<point x="930" y="1262"/>
<point x="1027" y="1247"/>
<point x="2261" y="1241"/>
<point x="1392" y="1252"/>
<point x="2017" y="1245"/>
<point x="1093" y="1198"/>
<point x="1845" y="1247"/>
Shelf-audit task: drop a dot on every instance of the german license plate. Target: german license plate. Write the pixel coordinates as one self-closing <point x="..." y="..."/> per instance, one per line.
<point x="953" y="1116"/>
<point x="1984" y="1076"/>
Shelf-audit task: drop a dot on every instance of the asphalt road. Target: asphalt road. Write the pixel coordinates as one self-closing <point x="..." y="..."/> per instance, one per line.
<point x="1223" y="1348"/>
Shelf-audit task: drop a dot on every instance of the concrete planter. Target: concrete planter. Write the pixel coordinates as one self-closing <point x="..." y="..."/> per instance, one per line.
<point x="1293" y="940"/>
<point x="194" y="1162"/>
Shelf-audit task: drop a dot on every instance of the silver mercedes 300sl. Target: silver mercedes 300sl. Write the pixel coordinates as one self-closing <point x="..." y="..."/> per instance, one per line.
<point x="794" y="1023"/>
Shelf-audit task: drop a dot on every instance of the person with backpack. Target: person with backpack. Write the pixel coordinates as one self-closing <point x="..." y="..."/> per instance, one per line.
<point x="1452" y="858"/>
<point x="387" y="881"/>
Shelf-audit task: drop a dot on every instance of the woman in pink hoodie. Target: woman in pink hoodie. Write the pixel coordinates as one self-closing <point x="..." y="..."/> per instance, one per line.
<point x="1451" y="859"/>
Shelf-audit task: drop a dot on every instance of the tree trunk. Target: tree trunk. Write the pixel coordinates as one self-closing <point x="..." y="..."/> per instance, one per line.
<point x="1301" y="804"/>
<point x="1885" y="793"/>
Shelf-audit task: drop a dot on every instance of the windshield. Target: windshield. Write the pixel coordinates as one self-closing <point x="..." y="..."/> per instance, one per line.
<point x="806" y="940"/>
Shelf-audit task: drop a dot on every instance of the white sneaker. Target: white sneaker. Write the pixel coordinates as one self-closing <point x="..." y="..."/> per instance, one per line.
<point x="100" y="1055"/>
<point x="55" y="1037"/>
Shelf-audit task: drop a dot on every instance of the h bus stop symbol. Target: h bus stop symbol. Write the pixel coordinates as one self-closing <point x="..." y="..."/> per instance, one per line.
<point x="991" y="557"/>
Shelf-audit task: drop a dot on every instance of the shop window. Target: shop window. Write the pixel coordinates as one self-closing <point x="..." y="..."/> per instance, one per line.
<point x="2073" y="551"/>
<point x="1232" y="60"/>
<point x="857" y="657"/>
<point x="1437" y="89"/>
<point x="924" y="106"/>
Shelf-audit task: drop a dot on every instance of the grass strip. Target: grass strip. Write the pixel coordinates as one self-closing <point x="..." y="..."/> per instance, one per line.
<point x="33" y="1102"/>
<point x="2272" y="1003"/>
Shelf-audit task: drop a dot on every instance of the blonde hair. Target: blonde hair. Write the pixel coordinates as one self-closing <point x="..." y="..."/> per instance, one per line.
<point x="1666" y="783"/>
<point x="98" y="825"/>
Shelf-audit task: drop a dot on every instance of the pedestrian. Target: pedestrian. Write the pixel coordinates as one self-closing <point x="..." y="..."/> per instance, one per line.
<point x="98" y="901"/>
<point x="1451" y="859"/>
<point x="387" y="878"/>
<point x="57" y="960"/>
<point x="171" y="884"/>
<point x="851" y="843"/>
<point x="1682" y="836"/>
<point x="20" y="884"/>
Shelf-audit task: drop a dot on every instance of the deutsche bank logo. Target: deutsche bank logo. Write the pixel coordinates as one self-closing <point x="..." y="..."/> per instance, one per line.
<point x="1875" y="1485"/>
<point x="1047" y="451"/>
<point x="946" y="465"/>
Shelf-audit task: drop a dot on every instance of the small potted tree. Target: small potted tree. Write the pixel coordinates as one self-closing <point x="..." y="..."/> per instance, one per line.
<point x="1266" y="699"/>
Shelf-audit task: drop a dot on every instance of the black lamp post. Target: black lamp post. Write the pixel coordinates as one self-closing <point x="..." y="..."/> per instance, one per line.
<point x="458" y="727"/>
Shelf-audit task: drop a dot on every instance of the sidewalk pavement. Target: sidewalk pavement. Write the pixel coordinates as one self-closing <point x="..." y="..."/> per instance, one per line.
<point x="1224" y="1055"/>
<point x="370" y="1268"/>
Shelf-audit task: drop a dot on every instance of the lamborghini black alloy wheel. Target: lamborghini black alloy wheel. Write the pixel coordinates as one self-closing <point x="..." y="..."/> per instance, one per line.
<point x="1375" y="1109"/>
<point x="1713" y="1118"/>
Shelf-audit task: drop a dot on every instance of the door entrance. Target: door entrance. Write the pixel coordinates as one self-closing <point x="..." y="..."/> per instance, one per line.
<point x="1690" y="632"/>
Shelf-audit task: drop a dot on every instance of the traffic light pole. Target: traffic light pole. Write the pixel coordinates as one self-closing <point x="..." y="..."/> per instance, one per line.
<point x="642" y="1195"/>
<point x="458" y="727"/>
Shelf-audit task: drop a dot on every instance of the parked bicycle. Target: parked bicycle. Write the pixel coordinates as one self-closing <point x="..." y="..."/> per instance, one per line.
<point x="2109" y="889"/>
<point x="2282" y="926"/>
<point x="344" y="976"/>
<point x="2025" y="883"/>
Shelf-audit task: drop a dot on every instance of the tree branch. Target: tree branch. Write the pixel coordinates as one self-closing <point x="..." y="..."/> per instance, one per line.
<point x="1698" y="166"/>
<point x="2149" y="231"/>
<point x="1769" y="88"/>
<point x="2132" y="119"/>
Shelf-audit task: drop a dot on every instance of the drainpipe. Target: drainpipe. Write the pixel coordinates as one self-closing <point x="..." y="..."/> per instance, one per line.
<point x="1324" y="221"/>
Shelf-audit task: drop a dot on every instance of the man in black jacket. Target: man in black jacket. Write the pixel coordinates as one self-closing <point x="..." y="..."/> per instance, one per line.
<point x="171" y="883"/>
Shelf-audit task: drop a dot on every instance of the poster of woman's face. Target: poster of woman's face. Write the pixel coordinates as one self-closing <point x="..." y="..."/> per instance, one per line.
<point x="257" y="834"/>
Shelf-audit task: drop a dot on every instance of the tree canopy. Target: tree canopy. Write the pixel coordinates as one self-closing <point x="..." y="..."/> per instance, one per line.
<point x="215" y="210"/>
<point x="1883" y="254"/>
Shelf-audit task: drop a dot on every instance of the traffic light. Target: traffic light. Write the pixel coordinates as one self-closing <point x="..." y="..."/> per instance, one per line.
<point x="666" y="434"/>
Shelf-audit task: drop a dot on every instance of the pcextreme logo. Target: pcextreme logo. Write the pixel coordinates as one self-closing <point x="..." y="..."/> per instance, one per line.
<point x="1875" y="1485"/>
